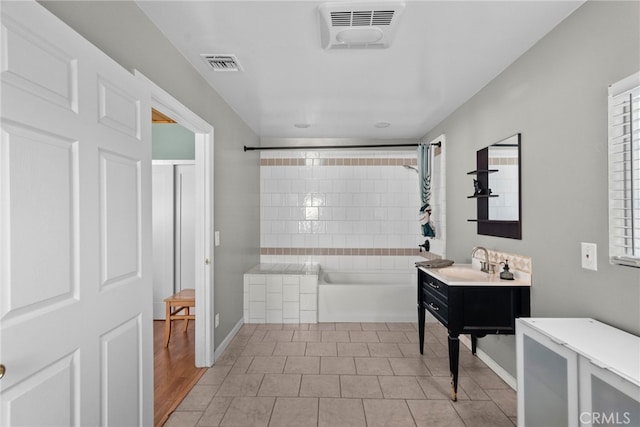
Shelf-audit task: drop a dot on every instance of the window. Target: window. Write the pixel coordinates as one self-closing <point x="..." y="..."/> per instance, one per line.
<point x="624" y="171"/>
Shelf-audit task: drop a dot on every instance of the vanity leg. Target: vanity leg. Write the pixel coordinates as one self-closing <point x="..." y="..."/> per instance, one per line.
<point x="454" y="351"/>
<point x="421" y="319"/>
<point x="474" y="343"/>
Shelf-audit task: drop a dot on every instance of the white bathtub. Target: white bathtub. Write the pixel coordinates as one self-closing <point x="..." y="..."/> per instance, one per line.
<point x="367" y="296"/>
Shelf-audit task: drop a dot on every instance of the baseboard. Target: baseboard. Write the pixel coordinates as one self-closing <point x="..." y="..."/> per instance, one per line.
<point x="491" y="364"/>
<point x="366" y="318"/>
<point x="227" y="340"/>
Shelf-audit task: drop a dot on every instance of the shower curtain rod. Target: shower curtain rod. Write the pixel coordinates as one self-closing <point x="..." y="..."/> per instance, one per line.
<point x="337" y="147"/>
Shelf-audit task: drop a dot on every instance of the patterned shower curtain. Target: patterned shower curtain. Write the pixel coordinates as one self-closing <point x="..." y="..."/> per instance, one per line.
<point x="424" y="173"/>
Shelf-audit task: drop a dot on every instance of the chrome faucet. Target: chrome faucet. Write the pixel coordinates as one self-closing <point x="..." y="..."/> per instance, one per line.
<point x="485" y="265"/>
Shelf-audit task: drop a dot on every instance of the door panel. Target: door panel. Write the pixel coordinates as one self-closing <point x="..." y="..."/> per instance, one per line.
<point x="119" y="409"/>
<point x="47" y="211"/>
<point x="59" y="380"/>
<point x="37" y="66"/>
<point x="117" y="109"/>
<point x="119" y="217"/>
<point x="75" y="241"/>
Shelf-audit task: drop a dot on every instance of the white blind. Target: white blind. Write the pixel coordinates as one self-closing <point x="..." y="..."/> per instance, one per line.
<point x="624" y="172"/>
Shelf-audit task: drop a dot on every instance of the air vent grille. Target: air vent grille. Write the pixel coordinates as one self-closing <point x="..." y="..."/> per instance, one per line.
<point x="359" y="25"/>
<point x="222" y="62"/>
<point x="361" y="18"/>
<point x="382" y="17"/>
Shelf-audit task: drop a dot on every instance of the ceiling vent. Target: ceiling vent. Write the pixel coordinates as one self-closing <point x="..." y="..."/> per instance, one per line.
<point x="222" y="62"/>
<point x="358" y="25"/>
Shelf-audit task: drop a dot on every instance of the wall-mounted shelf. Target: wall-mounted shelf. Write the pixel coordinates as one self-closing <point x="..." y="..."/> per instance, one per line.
<point x="479" y="196"/>
<point x="493" y="221"/>
<point x="479" y="171"/>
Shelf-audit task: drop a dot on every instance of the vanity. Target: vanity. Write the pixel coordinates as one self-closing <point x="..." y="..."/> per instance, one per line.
<point x="468" y="301"/>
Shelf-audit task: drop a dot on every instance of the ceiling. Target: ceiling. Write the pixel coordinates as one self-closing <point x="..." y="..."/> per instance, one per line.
<point x="442" y="53"/>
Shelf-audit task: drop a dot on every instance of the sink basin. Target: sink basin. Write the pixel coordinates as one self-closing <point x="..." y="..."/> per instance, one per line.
<point x="464" y="274"/>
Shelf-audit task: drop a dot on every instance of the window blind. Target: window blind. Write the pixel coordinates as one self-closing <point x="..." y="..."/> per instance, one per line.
<point x="624" y="171"/>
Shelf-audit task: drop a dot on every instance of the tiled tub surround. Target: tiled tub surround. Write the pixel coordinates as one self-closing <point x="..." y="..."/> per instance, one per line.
<point x="281" y="293"/>
<point x="344" y="210"/>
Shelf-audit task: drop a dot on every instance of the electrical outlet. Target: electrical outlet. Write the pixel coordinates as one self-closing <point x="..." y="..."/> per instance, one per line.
<point x="216" y="321"/>
<point x="589" y="256"/>
<point x="216" y="238"/>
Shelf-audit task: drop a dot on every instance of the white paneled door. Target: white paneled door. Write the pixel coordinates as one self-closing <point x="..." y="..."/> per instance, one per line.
<point x="75" y="230"/>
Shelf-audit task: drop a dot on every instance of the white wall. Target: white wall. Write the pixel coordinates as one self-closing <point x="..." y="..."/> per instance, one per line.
<point x="556" y="96"/>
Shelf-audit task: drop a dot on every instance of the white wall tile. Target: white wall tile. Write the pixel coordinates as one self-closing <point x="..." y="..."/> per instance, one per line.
<point x="290" y="310"/>
<point x="308" y="284"/>
<point x="274" y="301"/>
<point x="256" y="309"/>
<point x="357" y="206"/>
<point x="274" y="316"/>
<point x="290" y="293"/>
<point x="308" y="301"/>
<point x="308" y="316"/>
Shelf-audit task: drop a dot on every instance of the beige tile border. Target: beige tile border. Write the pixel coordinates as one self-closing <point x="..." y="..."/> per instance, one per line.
<point x="339" y="162"/>
<point x="341" y="251"/>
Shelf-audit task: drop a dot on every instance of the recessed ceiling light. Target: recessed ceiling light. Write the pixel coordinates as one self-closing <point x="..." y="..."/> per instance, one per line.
<point x="302" y="125"/>
<point x="382" y="125"/>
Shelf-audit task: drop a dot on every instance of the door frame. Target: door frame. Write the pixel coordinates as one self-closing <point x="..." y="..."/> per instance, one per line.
<point x="204" y="286"/>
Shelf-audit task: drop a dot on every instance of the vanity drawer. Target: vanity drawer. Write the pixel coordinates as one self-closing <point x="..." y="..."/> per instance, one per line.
<point x="436" y="306"/>
<point x="434" y="285"/>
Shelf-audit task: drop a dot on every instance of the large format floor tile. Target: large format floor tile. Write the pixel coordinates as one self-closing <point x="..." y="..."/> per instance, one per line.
<point x="344" y="375"/>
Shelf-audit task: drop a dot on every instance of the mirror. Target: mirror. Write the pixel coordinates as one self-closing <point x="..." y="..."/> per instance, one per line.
<point x="504" y="158"/>
<point x="499" y="204"/>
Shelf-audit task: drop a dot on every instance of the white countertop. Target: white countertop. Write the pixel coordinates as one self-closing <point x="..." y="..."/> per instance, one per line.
<point x="606" y="346"/>
<point x="470" y="275"/>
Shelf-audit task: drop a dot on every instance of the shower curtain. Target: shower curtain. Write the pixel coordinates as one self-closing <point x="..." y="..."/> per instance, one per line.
<point x="424" y="173"/>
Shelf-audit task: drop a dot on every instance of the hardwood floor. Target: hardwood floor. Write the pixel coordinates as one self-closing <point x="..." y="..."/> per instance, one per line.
<point x="174" y="368"/>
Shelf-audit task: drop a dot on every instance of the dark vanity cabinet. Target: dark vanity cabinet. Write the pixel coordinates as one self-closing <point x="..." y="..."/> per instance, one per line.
<point x="471" y="309"/>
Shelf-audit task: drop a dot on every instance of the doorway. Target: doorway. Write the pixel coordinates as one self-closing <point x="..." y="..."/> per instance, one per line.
<point x="167" y="109"/>
<point x="164" y="103"/>
<point x="173" y="210"/>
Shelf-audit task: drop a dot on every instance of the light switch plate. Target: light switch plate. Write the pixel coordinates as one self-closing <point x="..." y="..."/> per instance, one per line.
<point x="216" y="238"/>
<point x="589" y="256"/>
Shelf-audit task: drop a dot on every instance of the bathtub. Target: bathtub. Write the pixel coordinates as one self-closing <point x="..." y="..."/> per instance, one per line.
<point x="367" y="296"/>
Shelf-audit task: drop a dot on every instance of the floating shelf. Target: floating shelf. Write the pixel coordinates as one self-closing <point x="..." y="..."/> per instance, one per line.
<point x="482" y="196"/>
<point x="500" y="221"/>
<point x="479" y="171"/>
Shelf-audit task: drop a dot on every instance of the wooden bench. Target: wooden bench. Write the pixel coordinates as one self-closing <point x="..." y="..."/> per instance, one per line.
<point x="178" y="307"/>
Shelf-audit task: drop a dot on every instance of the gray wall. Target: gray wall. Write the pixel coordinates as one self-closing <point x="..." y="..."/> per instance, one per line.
<point x="556" y="96"/>
<point x="122" y="31"/>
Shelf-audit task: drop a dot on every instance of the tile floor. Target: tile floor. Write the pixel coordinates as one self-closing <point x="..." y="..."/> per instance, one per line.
<point x="344" y="374"/>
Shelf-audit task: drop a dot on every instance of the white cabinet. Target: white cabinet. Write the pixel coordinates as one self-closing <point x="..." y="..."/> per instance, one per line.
<point x="281" y="293"/>
<point x="576" y="372"/>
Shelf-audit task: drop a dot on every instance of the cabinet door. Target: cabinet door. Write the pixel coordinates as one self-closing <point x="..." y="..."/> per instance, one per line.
<point x="547" y="380"/>
<point x="606" y="399"/>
